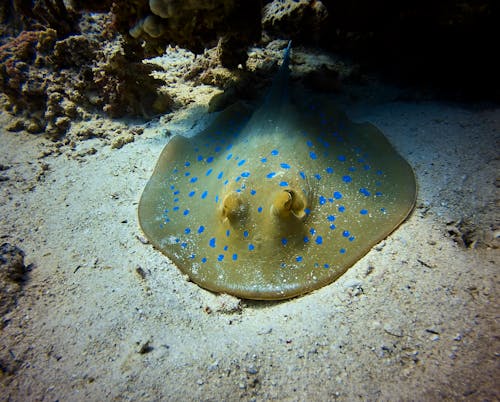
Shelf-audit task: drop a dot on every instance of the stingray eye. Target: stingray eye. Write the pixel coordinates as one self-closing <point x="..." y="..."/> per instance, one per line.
<point x="282" y="204"/>
<point x="298" y="204"/>
<point x="233" y="208"/>
<point x="289" y="202"/>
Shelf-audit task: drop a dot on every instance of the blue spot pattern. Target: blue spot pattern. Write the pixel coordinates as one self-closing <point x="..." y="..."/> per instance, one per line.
<point x="281" y="173"/>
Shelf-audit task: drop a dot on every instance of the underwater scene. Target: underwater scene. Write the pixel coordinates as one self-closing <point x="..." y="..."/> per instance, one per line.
<point x="285" y="200"/>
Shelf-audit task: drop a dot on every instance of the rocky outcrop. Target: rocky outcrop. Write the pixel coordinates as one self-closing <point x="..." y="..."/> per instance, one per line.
<point x="196" y="25"/>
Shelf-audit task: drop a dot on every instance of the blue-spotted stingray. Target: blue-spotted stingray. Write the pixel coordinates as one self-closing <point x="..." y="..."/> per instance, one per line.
<point x="275" y="203"/>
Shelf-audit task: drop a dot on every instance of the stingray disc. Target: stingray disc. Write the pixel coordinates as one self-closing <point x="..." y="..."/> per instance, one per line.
<point x="276" y="205"/>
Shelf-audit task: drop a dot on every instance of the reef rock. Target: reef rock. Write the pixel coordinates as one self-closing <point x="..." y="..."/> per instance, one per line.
<point x="196" y="25"/>
<point x="45" y="77"/>
<point x="12" y="275"/>
<point x="294" y="19"/>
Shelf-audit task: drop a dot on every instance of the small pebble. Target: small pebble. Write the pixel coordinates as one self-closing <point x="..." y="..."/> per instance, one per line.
<point x="252" y="370"/>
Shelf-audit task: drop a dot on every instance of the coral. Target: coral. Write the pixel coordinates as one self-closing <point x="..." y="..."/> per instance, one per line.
<point x="196" y="25"/>
<point x="299" y="19"/>
<point x="126" y="84"/>
<point x="19" y="60"/>
<point x="45" y="77"/>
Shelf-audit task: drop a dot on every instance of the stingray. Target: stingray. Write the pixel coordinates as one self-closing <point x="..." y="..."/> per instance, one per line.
<point x="278" y="202"/>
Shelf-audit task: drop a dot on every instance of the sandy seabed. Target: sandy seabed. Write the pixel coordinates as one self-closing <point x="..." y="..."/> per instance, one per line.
<point x="104" y="316"/>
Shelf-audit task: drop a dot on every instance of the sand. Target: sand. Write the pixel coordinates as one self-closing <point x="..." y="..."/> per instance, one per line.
<point x="104" y="316"/>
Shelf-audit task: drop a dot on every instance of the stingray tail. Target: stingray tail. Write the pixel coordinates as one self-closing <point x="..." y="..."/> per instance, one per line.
<point x="286" y="59"/>
<point x="278" y="93"/>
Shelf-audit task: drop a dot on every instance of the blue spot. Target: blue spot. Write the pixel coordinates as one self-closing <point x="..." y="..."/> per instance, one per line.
<point x="176" y="199"/>
<point x="347" y="178"/>
<point x="235" y="257"/>
<point x="341" y="208"/>
<point x="303" y="175"/>
<point x="318" y="176"/>
<point x="204" y="194"/>
<point x="351" y="238"/>
<point x="271" y="175"/>
<point x="220" y="257"/>
<point x="309" y="144"/>
<point x="229" y="157"/>
<point x="204" y="260"/>
<point x="259" y="210"/>
<point x="313" y="155"/>
<point x="200" y="158"/>
<point x="312" y="231"/>
<point x="187" y="164"/>
<point x="285" y="165"/>
<point x="210" y="159"/>
<point x="319" y="240"/>
<point x="326" y="266"/>
<point x="322" y="200"/>
<point x="284" y="184"/>
<point x="331" y="218"/>
<point x="306" y="239"/>
<point x="208" y="172"/>
<point x="284" y="241"/>
<point x="211" y="243"/>
<point x="378" y="193"/>
<point x="253" y="192"/>
<point x="201" y="229"/>
<point x="299" y="259"/>
<point x="225" y="248"/>
<point x="366" y="167"/>
<point x="380" y="173"/>
<point x="263" y="160"/>
<point x="183" y="245"/>
<point x="187" y="230"/>
<point x="329" y="170"/>
<point x="307" y="211"/>
<point x="341" y="158"/>
<point x="220" y="175"/>
<point x="274" y="152"/>
<point x="346" y="233"/>
<point x="186" y="212"/>
<point x="363" y="212"/>
<point x="176" y="208"/>
<point x="332" y="226"/>
<point x="237" y="179"/>
<point x="364" y="191"/>
<point x="217" y="149"/>
<point x="245" y="174"/>
<point x="352" y="169"/>
<point x="191" y="193"/>
<point x="228" y="232"/>
<point x="193" y="180"/>
<point x="176" y="192"/>
<point x="227" y="181"/>
<point x="251" y="247"/>
<point x="172" y="187"/>
<point x="342" y="251"/>
<point x="242" y="162"/>
<point x="383" y="210"/>
<point x="245" y="233"/>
